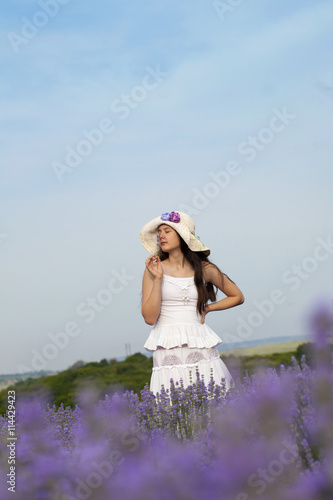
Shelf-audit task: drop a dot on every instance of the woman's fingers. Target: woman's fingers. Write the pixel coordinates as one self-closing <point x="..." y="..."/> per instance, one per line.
<point x="150" y="259"/>
<point x="153" y="264"/>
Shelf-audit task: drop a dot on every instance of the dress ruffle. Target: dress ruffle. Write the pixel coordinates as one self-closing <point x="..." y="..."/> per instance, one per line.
<point x="192" y="335"/>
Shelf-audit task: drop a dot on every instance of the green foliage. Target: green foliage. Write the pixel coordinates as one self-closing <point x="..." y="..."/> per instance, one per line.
<point x="131" y="374"/>
<point x="239" y="365"/>
<point x="138" y="357"/>
<point x="308" y="350"/>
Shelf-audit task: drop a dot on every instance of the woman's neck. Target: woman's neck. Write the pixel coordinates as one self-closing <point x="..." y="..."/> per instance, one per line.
<point x="177" y="263"/>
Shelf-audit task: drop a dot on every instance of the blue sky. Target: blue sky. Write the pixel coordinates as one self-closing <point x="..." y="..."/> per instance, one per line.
<point x="221" y="83"/>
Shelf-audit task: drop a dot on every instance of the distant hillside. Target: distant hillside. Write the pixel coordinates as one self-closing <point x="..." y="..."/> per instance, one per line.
<point x="134" y="372"/>
<point x="14" y="378"/>
<point x="263" y="349"/>
<point x="278" y="341"/>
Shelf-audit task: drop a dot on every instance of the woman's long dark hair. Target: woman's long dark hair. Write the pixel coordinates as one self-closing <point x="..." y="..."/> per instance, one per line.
<point x="206" y="291"/>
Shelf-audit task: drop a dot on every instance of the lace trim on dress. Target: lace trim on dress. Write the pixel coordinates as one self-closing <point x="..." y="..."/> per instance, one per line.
<point x="213" y="353"/>
<point x="171" y="360"/>
<point x="194" y="357"/>
<point x="183" y="356"/>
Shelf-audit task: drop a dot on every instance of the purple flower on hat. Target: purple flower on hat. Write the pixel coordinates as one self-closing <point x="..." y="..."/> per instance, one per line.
<point x="171" y="217"/>
<point x="174" y="217"/>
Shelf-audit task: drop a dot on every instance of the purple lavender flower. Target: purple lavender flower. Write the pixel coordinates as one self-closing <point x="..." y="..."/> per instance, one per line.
<point x="269" y="437"/>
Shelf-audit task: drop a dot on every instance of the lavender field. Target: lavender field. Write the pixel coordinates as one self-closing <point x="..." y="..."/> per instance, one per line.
<point x="270" y="437"/>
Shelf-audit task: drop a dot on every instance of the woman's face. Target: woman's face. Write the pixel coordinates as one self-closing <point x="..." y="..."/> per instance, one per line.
<point x="169" y="239"/>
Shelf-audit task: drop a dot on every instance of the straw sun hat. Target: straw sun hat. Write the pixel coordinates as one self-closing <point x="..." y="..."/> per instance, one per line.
<point x="180" y="222"/>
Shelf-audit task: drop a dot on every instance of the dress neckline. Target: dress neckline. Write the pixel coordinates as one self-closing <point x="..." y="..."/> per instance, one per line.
<point x="178" y="278"/>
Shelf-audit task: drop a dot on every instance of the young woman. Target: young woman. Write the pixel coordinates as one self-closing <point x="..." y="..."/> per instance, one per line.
<point x="179" y="289"/>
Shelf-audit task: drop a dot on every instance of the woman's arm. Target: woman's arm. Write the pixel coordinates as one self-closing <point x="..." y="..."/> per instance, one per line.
<point x="151" y="290"/>
<point x="234" y="296"/>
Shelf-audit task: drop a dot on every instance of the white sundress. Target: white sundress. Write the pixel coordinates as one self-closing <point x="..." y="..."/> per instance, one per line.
<point x="179" y="341"/>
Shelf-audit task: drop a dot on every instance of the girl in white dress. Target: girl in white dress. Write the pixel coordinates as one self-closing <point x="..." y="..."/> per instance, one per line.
<point x="177" y="285"/>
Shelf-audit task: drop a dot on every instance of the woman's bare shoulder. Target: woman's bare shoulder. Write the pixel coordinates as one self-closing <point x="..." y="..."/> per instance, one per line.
<point x="208" y="270"/>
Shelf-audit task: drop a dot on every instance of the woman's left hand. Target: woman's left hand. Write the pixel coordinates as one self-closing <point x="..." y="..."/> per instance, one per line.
<point x="206" y="310"/>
